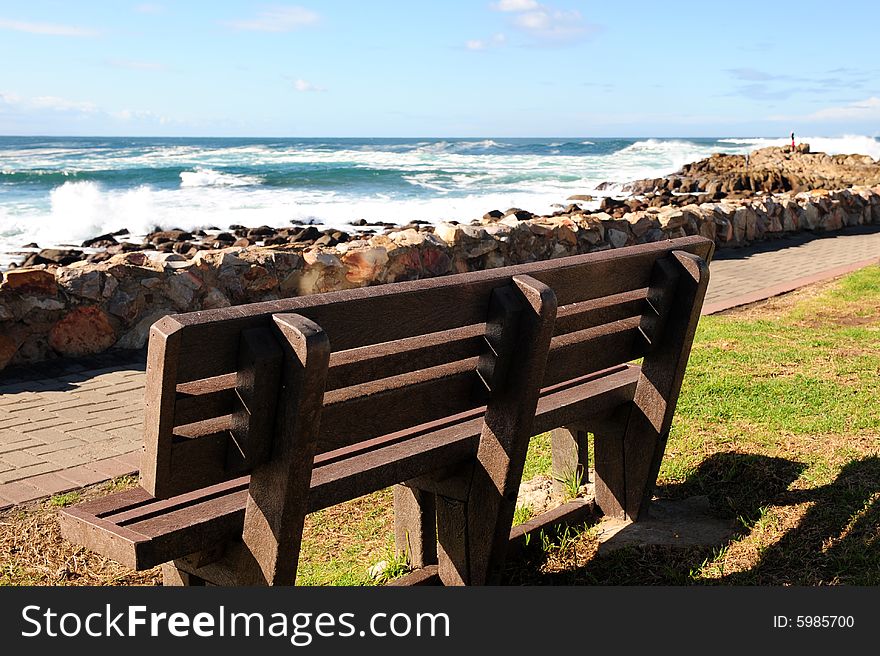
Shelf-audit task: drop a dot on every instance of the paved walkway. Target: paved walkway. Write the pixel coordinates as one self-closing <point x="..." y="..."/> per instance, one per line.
<point x="63" y="426"/>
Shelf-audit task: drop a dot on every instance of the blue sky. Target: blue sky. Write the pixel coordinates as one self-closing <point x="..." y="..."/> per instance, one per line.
<point x="450" y="68"/>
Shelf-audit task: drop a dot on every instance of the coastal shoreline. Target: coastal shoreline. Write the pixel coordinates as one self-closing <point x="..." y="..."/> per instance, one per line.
<point x="78" y="308"/>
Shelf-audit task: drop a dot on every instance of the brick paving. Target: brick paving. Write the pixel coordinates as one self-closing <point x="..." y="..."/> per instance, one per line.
<point x="68" y="424"/>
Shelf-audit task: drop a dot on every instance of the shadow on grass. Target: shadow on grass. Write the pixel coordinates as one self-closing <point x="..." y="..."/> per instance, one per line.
<point x="837" y="541"/>
<point x="737" y="486"/>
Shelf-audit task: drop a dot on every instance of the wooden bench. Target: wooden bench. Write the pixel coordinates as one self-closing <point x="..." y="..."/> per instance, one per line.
<point x="257" y="415"/>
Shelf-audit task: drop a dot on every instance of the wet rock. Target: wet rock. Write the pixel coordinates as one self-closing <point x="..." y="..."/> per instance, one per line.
<point x="310" y="233"/>
<point x="61" y="257"/>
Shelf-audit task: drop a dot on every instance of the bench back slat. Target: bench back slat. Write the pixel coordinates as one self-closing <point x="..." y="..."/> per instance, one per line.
<point x="375" y="315"/>
<point x="403" y="355"/>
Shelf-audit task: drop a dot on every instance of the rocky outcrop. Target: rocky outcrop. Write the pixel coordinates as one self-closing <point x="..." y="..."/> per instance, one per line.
<point x="769" y="170"/>
<point x="50" y="311"/>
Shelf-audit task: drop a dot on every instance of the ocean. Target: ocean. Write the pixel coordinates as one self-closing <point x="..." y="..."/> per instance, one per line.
<point x="58" y="191"/>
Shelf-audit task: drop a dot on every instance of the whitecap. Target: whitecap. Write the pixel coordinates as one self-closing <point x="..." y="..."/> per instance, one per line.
<point x="203" y="177"/>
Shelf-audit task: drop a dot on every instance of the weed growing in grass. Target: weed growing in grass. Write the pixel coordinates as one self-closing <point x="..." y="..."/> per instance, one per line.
<point x="390" y="568"/>
<point x="522" y="514"/>
<point x="571" y="481"/>
<point x="64" y="500"/>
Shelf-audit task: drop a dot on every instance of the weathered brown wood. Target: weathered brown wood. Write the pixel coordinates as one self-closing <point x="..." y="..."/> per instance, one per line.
<point x="368" y="363"/>
<point x="356" y="413"/>
<point x="664" y="282"/>
<point x="434" y="304"/>
<point x="257" y="382"/>
<point x="569" y="452"/>
<point x="657" y="391"/>
<point x="423" y="576"/>
<point x="163" y="356"/>
<point x="191" y="408"/>
<point x="414" y="366"/>
<point x="594" y="349"/>
<point x="487" y="514"/>
<point x="609" y="462"/>
<point x="277" y="500"/>
<point x="341" y="475"/>
<point x="415" y="525"/>
<point x="607" y="309"/>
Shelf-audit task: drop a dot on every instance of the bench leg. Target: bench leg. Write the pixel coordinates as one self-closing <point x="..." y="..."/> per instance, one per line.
<point x="569" y="448"/>
<point x="172" y="576"/>
<point x="609" y="463"/>
<point x="415" y="525"/>
<point x="452" y="534"/>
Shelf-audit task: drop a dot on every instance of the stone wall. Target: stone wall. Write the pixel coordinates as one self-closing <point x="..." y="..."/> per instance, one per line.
<point x="84" y="308"/>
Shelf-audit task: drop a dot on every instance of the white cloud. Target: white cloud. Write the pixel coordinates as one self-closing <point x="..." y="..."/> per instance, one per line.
<point x="57" y="104"/>
<point x="149" y="8"/>
<point x="861" y="110"/>
<point x="303" y="86"/>
<point x="76" y="110"/>
<point x="515" y="5"/>
<point x="544" y="24"/>
<point x="127" y="115"/>
<point x="277" y="19"/>
<point x="50" y="29"/>
<point x="553" y="25"/>
<point x="484" y="44"/>
<point x="137" y="65"/>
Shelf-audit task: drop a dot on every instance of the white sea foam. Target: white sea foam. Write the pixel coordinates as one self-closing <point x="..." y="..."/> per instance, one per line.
<point x="209" y="178"/>
<point x="446" y="182"/>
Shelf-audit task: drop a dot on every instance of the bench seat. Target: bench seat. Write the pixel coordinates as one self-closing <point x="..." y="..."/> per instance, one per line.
<point x="139" y="531"/>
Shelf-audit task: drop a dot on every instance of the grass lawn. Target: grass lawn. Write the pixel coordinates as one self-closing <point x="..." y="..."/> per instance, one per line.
<point x="778" y="424"/>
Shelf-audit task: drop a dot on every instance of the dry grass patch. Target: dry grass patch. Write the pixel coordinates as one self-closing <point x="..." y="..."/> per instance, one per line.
<point x="32" y="551"/>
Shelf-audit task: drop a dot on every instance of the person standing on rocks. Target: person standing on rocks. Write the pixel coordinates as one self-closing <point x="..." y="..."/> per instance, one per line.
<point x="792" y="142"/>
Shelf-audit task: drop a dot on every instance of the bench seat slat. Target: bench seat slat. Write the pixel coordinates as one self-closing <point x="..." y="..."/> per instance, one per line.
<point x="156" y="531"/>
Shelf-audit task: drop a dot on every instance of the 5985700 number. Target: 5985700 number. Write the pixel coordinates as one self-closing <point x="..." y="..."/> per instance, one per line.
<point x="824" y="621"/>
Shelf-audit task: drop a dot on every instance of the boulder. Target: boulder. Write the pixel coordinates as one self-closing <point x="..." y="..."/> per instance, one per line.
<point x="31" y="281"/>
<point x="82" y="331"/>
<point x="8" y="349"/>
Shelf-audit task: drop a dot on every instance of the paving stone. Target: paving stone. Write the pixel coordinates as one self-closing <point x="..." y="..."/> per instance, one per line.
<point x="21" y="458"/>
<point x="19" y="492"/>
<point x="19" y="445"/>
<point x="113" y="467"/>
<point x="52" y="483"/>
<point x="26" y="472"/>
<point x="55" y="446"/>
<point x="83" y="475"/>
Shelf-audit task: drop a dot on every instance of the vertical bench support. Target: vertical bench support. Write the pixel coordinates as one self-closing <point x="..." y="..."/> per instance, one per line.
<point x="656" y="394"/>
<point x="474" y="532"/>
<point x="570" y="455"/>
<point x="415" y="525"/>
<point x="279" y="488"/>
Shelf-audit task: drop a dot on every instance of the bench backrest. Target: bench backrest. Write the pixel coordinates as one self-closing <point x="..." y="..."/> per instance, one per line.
<point x="402" y="355"/>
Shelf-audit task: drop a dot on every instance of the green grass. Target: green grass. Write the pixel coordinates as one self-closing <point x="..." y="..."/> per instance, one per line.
<point x="778" y="423"/>
<point x="64" y="500"/>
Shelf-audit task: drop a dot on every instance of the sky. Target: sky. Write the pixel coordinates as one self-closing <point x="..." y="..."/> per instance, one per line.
<point x="451" y="68"/>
